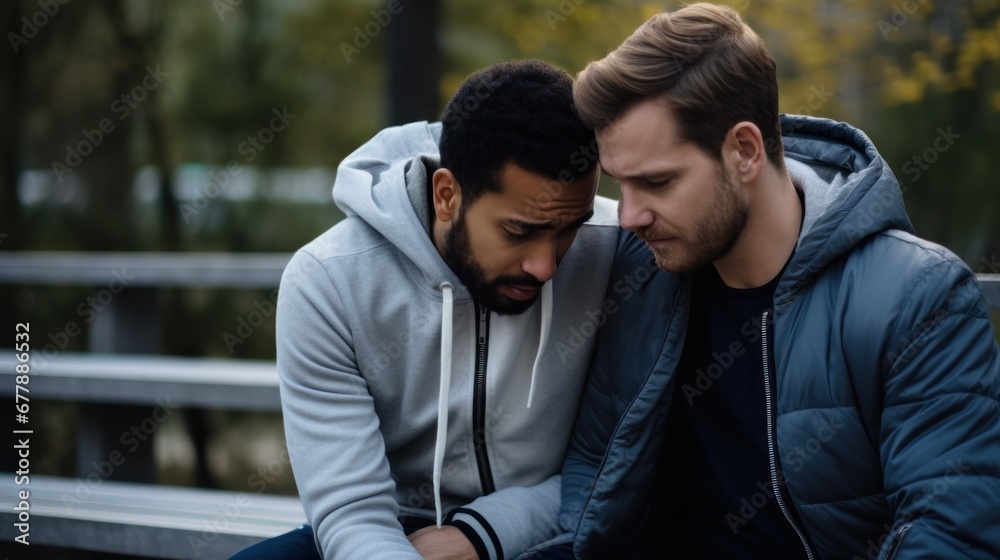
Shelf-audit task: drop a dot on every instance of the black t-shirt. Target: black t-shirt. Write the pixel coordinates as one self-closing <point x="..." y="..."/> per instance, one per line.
<point x="717" y="481"/>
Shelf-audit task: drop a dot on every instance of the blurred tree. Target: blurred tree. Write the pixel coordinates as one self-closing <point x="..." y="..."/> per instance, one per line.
<point x="13" y="70"/>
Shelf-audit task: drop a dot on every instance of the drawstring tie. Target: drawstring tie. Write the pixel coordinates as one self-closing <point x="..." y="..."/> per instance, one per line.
<point x="447" y="312"/>
<point x="543" y="336"/>
<point x="447" y="306"/>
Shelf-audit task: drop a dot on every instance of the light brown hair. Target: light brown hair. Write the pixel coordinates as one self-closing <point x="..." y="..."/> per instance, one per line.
<point x="704" y="62"/>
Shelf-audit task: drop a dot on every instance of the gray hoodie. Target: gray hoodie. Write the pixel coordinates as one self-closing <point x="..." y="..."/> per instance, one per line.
<point x="393" y="403"/>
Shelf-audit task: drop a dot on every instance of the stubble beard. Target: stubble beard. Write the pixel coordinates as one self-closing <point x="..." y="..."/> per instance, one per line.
<point x="715" y="237"/>
<point x="458" y="255"/>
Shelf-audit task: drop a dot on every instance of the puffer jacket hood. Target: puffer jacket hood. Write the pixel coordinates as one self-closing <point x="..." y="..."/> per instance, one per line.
<point x="850" y="194"/>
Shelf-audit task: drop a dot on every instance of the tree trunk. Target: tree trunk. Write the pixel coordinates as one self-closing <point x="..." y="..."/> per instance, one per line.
<point x="414" y="63"/>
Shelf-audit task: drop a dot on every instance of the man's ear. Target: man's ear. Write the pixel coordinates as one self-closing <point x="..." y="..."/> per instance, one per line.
<point x="447" y="195"/>
<point x="743" y="151"/>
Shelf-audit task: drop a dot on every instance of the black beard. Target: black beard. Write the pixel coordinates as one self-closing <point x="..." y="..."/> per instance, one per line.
<point x="458" y="256"/>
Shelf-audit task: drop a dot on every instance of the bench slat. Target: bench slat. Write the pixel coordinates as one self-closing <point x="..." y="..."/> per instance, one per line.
<point x="991" y="289"/>
<point x="147" y="380"/>
<point x="147" y="520"/>
<point x="147" y="269"/>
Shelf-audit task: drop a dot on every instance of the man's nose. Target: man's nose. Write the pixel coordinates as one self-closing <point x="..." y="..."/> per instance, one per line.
<point x="541" y="261"/>
<point x="633" y="210"/>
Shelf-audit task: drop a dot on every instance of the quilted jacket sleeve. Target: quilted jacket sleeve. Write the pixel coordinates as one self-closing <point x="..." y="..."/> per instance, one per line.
<point x="940" y="428"/>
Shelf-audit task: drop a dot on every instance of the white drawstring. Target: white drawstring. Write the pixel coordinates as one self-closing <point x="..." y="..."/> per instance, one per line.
<point x="543" y="336"/>
<point x="447" y="311"/>
<point x="447" y="306"/>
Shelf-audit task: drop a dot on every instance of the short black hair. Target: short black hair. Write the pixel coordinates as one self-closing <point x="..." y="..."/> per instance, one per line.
<point x="514" y="111"/>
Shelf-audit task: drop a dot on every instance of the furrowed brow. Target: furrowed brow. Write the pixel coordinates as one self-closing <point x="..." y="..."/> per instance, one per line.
<point x="530" y="226"/>
<point x="548" y="225"/>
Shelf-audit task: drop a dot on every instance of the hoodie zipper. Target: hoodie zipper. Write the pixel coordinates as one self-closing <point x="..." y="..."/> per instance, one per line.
<point x="897" y="542"/>
<point x="479" y="400"/>
<point x="770" y="440"/>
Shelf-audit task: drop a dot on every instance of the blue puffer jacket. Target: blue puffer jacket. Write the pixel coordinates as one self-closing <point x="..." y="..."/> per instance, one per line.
<point x="885" y="412"/>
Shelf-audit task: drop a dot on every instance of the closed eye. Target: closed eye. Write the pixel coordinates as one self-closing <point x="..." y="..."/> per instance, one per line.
<point x="655" y="183"/>
<point x="517" y="235"/>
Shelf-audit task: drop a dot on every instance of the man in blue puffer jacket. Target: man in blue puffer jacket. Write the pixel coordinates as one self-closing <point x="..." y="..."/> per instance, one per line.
<point x="798" y="376"/>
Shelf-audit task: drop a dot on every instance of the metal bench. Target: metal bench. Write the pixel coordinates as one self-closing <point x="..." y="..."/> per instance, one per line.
<point x="130" y="323"/>
<point x="991" y="290"/>
<point x="95" y="513"/>
<point x="148" y="379"/>
<point x="145" y="520"/>
<point x="118" y="383"/>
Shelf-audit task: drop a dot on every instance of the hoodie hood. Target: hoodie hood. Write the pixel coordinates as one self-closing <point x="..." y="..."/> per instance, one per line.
<point x="384" y="183"/>
<point x="850" y="194"/>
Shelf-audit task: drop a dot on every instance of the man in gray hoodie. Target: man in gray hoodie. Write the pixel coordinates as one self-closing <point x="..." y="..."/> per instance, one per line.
<point x="431" y="359"/>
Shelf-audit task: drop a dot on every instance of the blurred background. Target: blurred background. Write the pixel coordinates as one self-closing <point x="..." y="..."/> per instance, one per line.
<point x="217" y="125"/>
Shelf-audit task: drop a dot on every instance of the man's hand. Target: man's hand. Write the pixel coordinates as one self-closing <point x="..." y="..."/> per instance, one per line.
<point x="446" y="543"/>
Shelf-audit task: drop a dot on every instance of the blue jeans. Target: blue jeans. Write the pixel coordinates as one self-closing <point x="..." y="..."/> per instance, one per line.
<point x="298" y="544"/>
